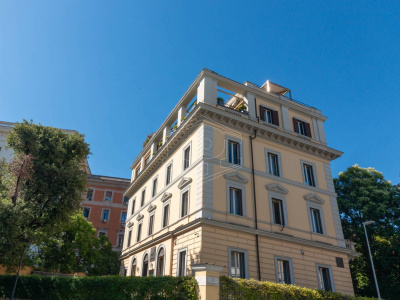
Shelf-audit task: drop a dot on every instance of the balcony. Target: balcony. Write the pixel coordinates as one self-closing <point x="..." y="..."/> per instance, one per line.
<point x="350" y="245"/>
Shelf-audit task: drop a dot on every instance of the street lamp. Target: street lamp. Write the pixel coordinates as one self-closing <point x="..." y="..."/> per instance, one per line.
<point x="370" y="256"/>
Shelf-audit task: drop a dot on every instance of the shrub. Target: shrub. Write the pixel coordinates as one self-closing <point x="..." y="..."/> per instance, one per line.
<point x="235" y="289"/>
<point x="99" y="287"/>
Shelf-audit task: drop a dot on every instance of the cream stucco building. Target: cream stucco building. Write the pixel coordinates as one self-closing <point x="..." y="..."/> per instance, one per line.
<point x="246" y="187"/>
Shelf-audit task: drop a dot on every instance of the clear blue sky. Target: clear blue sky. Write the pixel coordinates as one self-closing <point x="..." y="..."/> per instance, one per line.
<point x="94" y="66"/>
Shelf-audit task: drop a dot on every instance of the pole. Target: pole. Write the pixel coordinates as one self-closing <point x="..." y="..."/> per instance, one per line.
<point x="372" y="263"/>
<point x="16" y="278"/>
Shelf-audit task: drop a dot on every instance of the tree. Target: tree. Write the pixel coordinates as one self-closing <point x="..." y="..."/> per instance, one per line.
<point x="363" y="195"/>
<point x="41" y="186"/>
<point x="76" y="249"/>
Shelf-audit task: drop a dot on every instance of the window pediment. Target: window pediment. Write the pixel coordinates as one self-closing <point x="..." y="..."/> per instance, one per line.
<point x="184" y="182"/>
<point x="165" y="197"/>
<point x="236" y="176"/>
<point x="276" y="187"/>
<point x="151" y="207"/>
<point x="314" y="198"/>
<point x="130" y="224"/>
<point x="139" y="217"/>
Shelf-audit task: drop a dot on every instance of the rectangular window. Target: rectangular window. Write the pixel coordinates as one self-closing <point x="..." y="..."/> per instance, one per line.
<point x="133" y="206"/>
<point x="102" y="233"/>
<point x="325" y="281"/>
<point x="123" y="217"/>
<point x="316" y="222"/>
<point x="129" y="238"/>
<point x="120" y="240"/>
<point x="143" y="198"/>
<point x="139" y="232"/>
<point x="125" y="201"/>
<point x="108" y="196"/>
<point x="105" y="215"/>
<point x="301" y="128"/>
<point x="283" y="269"/>
<point x="165" y="221"/>
<point x="86" y="212"/>
<point x="151" y="224"/>
<point x="89" y="194"/>
<point x="137" y="171"/>
<point x="182" y="263"/>
<point x="154" y="191"/>
<point x="237" y="265"/>
<point x="186" y="158"/>
<point x="273" y="164"/>
<point x="184" y="204"/>
<point x="277" y="207"/>
<point x="233" y="152"/>
<point x="268" y="116"/>
<point x="236" y="204"/>
<point x="168" y="175"/>
<point x="308" y="175"/>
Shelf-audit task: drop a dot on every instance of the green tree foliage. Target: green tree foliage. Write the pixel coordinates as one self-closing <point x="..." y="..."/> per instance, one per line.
<point x="364" y="195"/>
<point x="41" y="187"/>
<point x="76" y="249"/>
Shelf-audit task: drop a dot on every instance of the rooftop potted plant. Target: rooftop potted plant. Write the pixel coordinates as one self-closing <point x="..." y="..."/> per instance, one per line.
<point x="220" y="101"/>
<point x="242" y="108"/>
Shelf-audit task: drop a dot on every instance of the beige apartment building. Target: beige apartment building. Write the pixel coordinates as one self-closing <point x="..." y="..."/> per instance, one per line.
<point x="238" y="176"/>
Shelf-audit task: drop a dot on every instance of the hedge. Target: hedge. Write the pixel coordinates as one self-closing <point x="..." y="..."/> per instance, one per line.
<point x="235" y="289"/>
<point x="99" y="288"/>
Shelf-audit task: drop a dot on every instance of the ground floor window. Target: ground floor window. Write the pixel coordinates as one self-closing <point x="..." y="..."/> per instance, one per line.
<point x="181" y="262"/>
<point x="284" y="272"/>
<point x="237" y="264"/>
<point x="160" y="262"/>
<point x="145" y="268"/>
<point x="133" y="268"/>
<point x="325" y="280"/>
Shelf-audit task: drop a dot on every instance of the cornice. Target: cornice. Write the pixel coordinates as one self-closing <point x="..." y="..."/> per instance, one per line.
<point x="210" y="113"/>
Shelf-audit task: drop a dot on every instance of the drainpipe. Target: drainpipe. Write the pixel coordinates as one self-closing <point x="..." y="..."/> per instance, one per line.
<point x="255" y="202"/>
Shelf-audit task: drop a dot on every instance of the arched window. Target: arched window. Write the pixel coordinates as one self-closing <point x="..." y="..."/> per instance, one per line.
<point x="160" y="262"/>
<point x="145" y="268"/>
<point x="133" y="268"/>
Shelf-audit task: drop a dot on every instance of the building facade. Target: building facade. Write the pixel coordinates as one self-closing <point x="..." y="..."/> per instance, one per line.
<point x="106" y="208"/>
<point x="238" y="176"/>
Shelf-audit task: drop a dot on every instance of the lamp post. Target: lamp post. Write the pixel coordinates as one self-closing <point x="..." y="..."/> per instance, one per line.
<point x="370" y="256"/>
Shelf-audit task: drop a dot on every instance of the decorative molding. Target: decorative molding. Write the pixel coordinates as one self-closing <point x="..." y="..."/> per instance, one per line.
<point x="139" y="217"/>
<point x="276" y="187"/>
<point x="130" y="224"/>
<point x="165" y="197"/>
<point x="314" y="198"/>
<point x="236" y="176"/>
<point x="184" y="182"/>
<point x="151" y="207"/>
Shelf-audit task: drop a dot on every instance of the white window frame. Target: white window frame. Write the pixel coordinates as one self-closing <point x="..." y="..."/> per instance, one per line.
<point x="178" y="261"/>
<point x="184" y="190"/>
<point x="148" y="226"/>
<point x="165" y="259"/>
<point x="241" y="154"/>
<point x="189" y="145"/>
<point x="246" y="261"/>
<point x="278" y="154"/>
<point x="317" y="266"/>
<point x="277" y="196"/>
<point x="87" y="199"/>
<point x="120" y="217"/>
<point x="130" y="231"/>
<point x="321" y="213"/>
<point x="303" y="162"/>
<point x="152" y="188"/>
<point x="141" y="197"/>
<point x="229" y="185"/>
<point x="133" y="206"/>
<point x="118" y="235"/>
<point x="105" y="195"/>
<point x="90" y="209"/>
<point x="101" y="231"/>
<point x="140" y="225"/>
<point x="276" y="258"/>
<point x="163" y="211"/>
<point x="166" y="173"/>
<point x="109" y="214"/>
